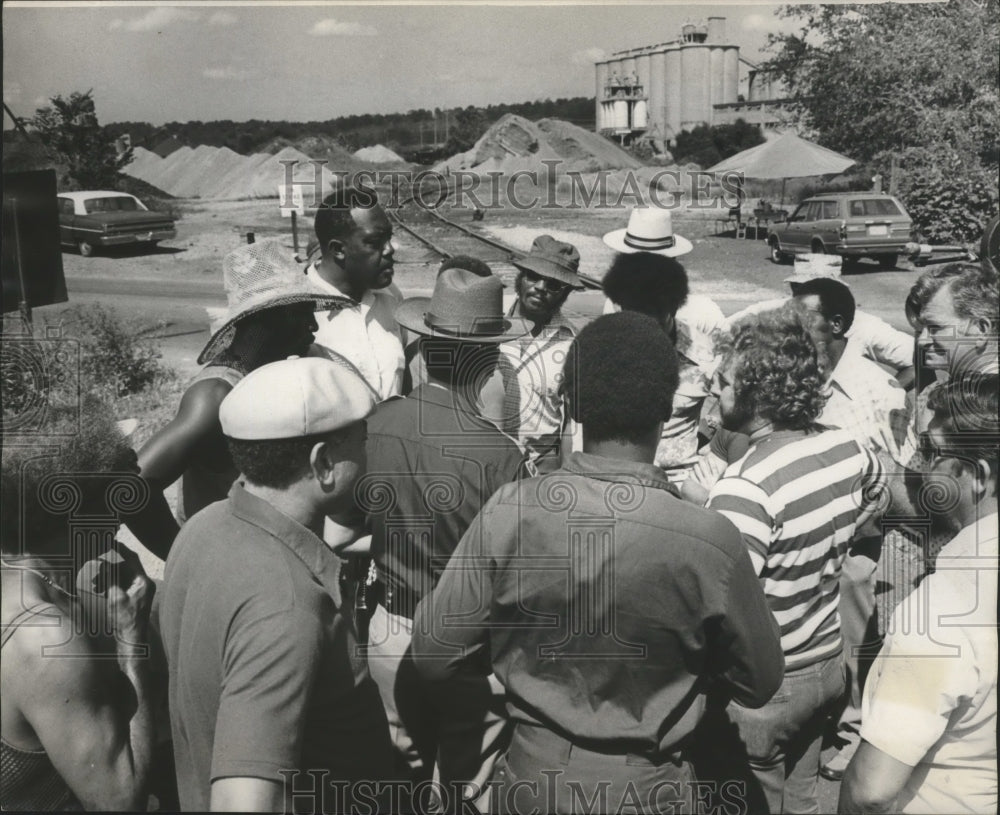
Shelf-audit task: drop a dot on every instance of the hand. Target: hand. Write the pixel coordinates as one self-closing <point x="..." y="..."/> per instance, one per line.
<point x="128" y="608"/>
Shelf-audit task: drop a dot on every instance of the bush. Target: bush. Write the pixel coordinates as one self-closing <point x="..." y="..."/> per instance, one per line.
<point x="114" y="355"/>
<point x="949" y="199"/>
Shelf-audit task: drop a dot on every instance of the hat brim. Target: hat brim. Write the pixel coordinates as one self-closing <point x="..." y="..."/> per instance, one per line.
<point x="799" y="279"/>
<point x="616" y="240"/>
<point x="222" y="336"/>
<point x="411" y="312"/>
<point x="546" y="268"/>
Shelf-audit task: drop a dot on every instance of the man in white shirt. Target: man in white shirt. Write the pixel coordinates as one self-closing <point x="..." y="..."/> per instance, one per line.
<point x="870" y="336"/>
<point x="930" y="707"/>
<point x="355" y="239"/>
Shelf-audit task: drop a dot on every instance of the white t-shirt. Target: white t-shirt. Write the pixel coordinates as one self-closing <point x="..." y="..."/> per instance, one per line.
<point x="930" y="700"/>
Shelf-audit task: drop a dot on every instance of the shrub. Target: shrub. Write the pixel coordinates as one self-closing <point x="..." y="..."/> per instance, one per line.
<point x="949" y="199"/>
<point x="114" y="355"/>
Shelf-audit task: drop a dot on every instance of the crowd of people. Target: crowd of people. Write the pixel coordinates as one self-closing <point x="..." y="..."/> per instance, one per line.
<point x="466" y="553"/>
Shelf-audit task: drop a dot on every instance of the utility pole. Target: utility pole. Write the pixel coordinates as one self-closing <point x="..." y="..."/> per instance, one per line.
<point x="435" y="126"/>
<point x="446" y="125"/>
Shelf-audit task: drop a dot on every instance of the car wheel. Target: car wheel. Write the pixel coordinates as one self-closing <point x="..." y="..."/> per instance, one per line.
<point x="86" y="248"/>
<point x="818" y="248"/>
<point x="851" y="261"/>
<point x="777" y="256"/>
<point x="887" y="261"/>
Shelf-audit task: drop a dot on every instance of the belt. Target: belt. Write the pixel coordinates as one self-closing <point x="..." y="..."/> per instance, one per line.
<point x="561" y="748"/>
<point x="395" y="598"/>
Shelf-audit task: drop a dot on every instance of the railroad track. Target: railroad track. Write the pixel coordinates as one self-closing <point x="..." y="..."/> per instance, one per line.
<point x="446" y="238"/>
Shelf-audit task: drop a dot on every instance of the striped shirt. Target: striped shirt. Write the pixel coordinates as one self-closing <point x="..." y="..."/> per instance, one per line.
<point x="796" y="497"/>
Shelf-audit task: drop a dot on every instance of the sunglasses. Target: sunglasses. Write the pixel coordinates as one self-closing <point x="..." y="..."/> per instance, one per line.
<point x="551" y="285"/>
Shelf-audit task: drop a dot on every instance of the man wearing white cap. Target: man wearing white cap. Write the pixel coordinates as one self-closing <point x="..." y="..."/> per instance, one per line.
<point x="266" y="682"/>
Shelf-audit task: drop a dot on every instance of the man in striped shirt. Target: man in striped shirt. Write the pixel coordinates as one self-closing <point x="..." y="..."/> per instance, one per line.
<point x="797" y="497"/>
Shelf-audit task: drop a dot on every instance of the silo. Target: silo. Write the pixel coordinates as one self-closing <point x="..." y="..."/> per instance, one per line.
<point x="600" y="82"/>
<point x="695" y="85"/>
<point x="731" y="75"/>
<point x="639" y="117"/>
<point x="717" y="75"/>
<point x="672" y="91"/>
<point x="620" y="114"/>
<point x="628" y="68"/>
<point x="655" y="92"/>
<point x="642" y="67"/>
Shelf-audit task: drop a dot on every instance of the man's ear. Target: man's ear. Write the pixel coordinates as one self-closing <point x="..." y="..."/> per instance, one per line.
<point x="837" y="325"/>
<point x="321" y="463"/>
<point x="985" y="330"/>
<point x="981" y="477"/>
<point x="335" y="248"/>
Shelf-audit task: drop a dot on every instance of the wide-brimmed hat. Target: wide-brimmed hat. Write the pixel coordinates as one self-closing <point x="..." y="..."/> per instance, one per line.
<point x="260" y="276"/>
<point x="464" y="306"/>
<point x="650" y="229"/>
<point x="553" y="259"/>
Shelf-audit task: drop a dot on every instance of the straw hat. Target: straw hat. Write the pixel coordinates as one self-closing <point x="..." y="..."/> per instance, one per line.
<point x="464" y="306"/>
<point x="650" y="229"/>
<point x="259" y="276"/>
<point x="553" y="259"/>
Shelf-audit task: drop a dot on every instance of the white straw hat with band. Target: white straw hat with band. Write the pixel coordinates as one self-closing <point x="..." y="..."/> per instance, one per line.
<point x="650" y="229"/>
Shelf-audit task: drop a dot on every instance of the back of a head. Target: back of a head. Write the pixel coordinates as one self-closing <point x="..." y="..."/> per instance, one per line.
<point x="647" y="283"/>
<point x="620" y="376"/>
<point x="834" y="297"/>
<point x="333" y="217"/>
<point x="777" y="374"/>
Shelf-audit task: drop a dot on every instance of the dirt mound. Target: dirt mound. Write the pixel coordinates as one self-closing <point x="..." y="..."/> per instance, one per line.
<point x="378" y="154"/>
<point x="320" y="148"/>
<point x="514" y="143"/>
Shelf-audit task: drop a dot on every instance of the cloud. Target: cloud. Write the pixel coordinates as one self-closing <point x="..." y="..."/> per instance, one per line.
<point x="336" y="28"/>
<point x="227" y="72"/>
<point x="588" y="56"/>
<point x="758" y="22"/>
<point x="222" y="18"/>
<point x="155" y="19"/>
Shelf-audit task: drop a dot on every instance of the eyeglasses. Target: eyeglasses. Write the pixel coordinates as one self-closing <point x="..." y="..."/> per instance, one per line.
<point x="554" y="286"/>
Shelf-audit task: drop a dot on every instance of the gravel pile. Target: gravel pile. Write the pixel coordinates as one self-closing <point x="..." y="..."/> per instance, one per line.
<point x="514" y="143"/>
<point x="378" y="154"/>
<point x="219" y="173"/>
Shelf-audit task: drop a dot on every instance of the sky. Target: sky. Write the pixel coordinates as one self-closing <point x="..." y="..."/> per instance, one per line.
<point x="316" y="61"/>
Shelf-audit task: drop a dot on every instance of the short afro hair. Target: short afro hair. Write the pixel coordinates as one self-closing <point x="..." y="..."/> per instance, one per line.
<point x="647" y="283"/>
<point x="834" y="297"/>
<point x="777" y="374"/>
<point x="333" y="217"/>
<point x="620" y="377"/>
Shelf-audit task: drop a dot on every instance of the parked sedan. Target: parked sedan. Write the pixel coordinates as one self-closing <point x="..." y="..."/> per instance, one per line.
<point x="851" y="224"/>
<point x="96" y="218"/>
